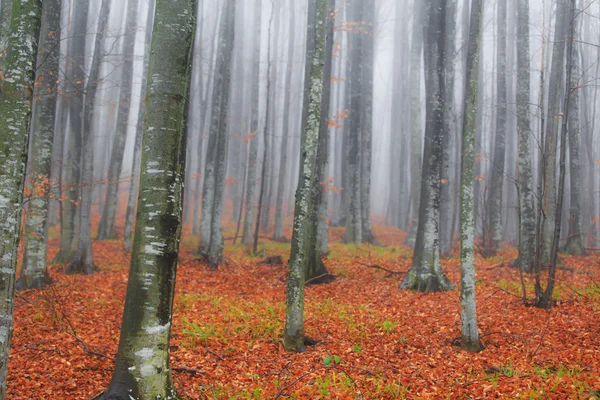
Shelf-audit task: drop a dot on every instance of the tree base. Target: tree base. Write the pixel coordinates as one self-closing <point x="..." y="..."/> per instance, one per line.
<point x="80" y="267"/>
<point x="125" y="394"/>
<point x="38" y="282"/>
<point x="426" y="284"/>
<point x="471" y="346"/>
<point x="298" y="345"/>
<point x="280" y="239"/>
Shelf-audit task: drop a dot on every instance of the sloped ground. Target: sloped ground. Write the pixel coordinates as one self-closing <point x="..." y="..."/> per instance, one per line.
<point x="378" y="342"/>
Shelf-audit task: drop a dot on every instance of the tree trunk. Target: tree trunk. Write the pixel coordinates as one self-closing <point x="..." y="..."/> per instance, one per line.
<point x="215" y="249"/>
<point x="34" y="273"/>
<point x="106" y="229"/>
<point x="416" y="57"/>
<point x="15" y="111"/>
<point x="495" y="205"/>
<point x="468" y="309"/>
<point x="575" y="244"/>
<point x="142" y="369"/>
<point x="289" y="123"/>
<point x="525" y="172"/>
<point x="139" y="133"/>
<point x="316" y="78"/>
<point x="82" y="260"/>
<point x="426" y="274"/>
<point x="543" y="298"/>
<point x="254" y="122"/>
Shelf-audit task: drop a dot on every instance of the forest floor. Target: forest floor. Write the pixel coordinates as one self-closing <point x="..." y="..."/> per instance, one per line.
<point x="377" y="341"/>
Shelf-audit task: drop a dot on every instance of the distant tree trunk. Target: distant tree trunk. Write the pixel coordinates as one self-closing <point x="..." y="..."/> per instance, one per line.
<point x="217" y="134"/>
<point x="416" y="57"/>
<point x="575" y="244"/>
<point x="314" y="112"/>
<point x="525" y="172"/>
<point x="265" y="163"/>
<point x="447" y="206"/>
<point x="75" y="92"/>
<point x="468" y="315"/>
<point x="82" y="260"/>
<point x="543" y="297"/>
<point x="34" y="274"/>
<point x="288" y="123"/>
<point x="254" y="122"/>
<point x="15" y="106"/>
<point x="548" y="168"/>
<point x="354" y="232"/>
<point x="106" y="229"/>
<point x="220" y="124"/>
<point x="426" y="274"/>
<point x="139" y="133"/>
<point x="142" y="369"/>
<point x="495" y="206"/>
<point x="367" y="43"/>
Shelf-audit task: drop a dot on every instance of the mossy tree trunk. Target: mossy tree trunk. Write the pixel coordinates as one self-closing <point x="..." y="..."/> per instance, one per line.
<point x="315" y="114"/>
<point x="426" y="274"/>
<point x="142" y="369"/>
<point x="468" y="307"/>
<point x="15" y="111"/>
<point x="34" y="274"/>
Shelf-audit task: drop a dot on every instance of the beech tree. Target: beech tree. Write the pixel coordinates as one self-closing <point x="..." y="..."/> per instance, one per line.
<point x="315" y="117"/>
<point x="34" y="273"/>
<point x="142" y="370"/>
<point x="16" y="98"/>
<point x="468" y="310"/>
<point x="426" y="273"/>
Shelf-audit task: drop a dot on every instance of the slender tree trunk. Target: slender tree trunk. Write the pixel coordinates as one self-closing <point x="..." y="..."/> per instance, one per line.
<point x="34" y="274"/>
<point x="525" y="172"/>
<point x="106" y="229"/>
<point x="137" y="150"/>
<point x="315" y="114"/>
<point x="354" y="233"/>
<point x="69" y="240"/>
<point x="426" y="274"/>
<point x="495" y="205"/>
<point x="15" y="112"/>
<point x="263" y="179"/>
<point x="82" y="260"/>
<point x="289" y="123"/>
<point x="575" y="244"/>
<point x="253" y="157"/>
<point x="468" y="315"/>
<point x="215" y="249"/>
<point x="142" y="369"/>
<point x="544" y="296"/>
<point x="416" y="57"/>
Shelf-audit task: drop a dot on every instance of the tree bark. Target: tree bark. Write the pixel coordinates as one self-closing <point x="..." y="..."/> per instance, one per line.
<point x="313" y="114"/>
<point x="142" y="369"/>
<point x="34" y="273"/>
<point x="468" y="306"/>
<point x="15" y="111"/>
<point x="106" y="229"/>
<point x="426" y="274"/>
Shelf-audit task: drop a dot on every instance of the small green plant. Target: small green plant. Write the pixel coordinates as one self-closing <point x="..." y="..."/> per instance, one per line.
<point x="335" y="359"/>
<point x="389" y="326"/>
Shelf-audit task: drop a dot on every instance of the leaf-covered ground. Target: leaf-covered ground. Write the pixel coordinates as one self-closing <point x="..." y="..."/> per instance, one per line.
<point x="377" y="342"/>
